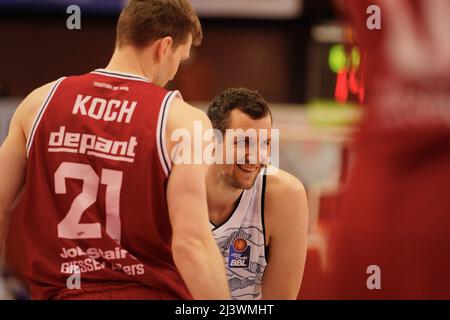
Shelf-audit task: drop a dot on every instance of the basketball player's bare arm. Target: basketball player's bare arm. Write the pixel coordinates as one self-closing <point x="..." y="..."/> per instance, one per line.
<point x="195" y="252"/>
<point x="13" y="156"/>
<point x="286" y="221"/>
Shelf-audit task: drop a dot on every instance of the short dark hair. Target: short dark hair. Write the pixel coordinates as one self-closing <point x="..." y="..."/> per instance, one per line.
<point x="249" y="102"/>
<point x="144" y="21"/>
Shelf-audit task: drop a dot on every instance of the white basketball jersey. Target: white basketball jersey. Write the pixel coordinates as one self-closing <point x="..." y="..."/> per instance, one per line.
<point x="241" y="241"/>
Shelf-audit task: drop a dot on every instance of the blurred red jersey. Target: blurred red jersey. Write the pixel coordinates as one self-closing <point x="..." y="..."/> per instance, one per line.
<point x="95" y="194"/>
<point x="395" y="212"/>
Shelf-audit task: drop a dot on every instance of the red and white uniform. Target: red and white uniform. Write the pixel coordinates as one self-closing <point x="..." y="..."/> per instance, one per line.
<point x="95" y="195"/>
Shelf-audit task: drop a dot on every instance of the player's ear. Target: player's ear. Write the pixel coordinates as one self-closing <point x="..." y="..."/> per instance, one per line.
<point x="160" y="48"/>
<point x="165" y="46"/>
<point x="155" y="51"/>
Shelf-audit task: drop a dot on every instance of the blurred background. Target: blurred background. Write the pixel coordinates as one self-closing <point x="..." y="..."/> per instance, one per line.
<point x="298" y="54"/>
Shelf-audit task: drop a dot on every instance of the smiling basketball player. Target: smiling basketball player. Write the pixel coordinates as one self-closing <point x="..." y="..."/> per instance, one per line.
<point x="259" y="221"/>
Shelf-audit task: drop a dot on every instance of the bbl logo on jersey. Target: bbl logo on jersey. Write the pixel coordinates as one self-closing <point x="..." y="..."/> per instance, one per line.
<point x="239" y="254"/>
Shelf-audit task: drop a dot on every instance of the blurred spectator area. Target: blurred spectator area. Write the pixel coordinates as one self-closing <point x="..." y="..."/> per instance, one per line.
<point x="266" y="54"/>
<point x="232" y="54"/>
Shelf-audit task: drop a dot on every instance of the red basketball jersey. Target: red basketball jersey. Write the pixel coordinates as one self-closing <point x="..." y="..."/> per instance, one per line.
<point x="95" y="193"/>
<point x="395" y="210"/>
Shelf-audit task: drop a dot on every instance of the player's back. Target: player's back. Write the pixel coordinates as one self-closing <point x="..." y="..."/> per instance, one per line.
<point x="95" y="192"/>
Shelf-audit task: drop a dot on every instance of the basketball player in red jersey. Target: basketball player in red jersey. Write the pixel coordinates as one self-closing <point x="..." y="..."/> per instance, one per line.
<point x="392" y="239"/>
<point x="103" y="200"/>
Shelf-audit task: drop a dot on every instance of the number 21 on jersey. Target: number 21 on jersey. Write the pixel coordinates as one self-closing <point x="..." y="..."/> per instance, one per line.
<point x="70" y="227"/>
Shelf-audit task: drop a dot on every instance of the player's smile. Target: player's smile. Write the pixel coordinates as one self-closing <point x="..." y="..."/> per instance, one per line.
<point x="248" y="168"/>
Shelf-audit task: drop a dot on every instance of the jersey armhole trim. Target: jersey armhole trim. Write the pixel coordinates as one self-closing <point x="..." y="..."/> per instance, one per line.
<point x="164" y="157"/>
<point x="263" y="196"/>
<point x="40" y="114"/>
<point x="232" y="215"/>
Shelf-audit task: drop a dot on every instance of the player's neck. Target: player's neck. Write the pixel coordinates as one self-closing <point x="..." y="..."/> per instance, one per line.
<point x="221" y="198"/>
<point x="128" y="60"/>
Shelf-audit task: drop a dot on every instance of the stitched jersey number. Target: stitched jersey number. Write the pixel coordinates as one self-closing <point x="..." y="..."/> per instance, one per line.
<point x="70" y="227"/>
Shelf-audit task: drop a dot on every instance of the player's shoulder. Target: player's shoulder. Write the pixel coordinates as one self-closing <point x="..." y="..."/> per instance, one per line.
<point x="28" y="108"/>
<point x="285" y="203"/>
<point x="38" y="95"/>
<point x="283" y="186"/>
<point x="184" y="112"/>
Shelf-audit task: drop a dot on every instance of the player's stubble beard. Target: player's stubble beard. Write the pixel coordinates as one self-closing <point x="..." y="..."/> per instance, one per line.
<point x="233" y="182"/>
